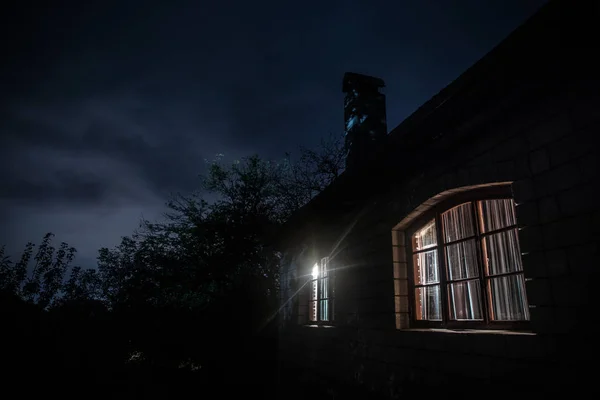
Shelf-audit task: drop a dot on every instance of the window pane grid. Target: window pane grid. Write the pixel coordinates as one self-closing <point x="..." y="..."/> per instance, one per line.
<point x="482" y="278"/>
<point x="461" y="261"/>
<point x="425" y="250"/>
<point x="457" y="223"/>
<point x="508" y="228"/>
<point x="460" y="240"/>
<point x="507" y="298"/>
<point x="496" y="214"/>
<point x="426" y="269"/>
<point x="464" y="299"/>
<point x="322" y="290"/>
<point x="428" y="303"/>
<point x="426" y="237"/>
<point x="502" y="253"/>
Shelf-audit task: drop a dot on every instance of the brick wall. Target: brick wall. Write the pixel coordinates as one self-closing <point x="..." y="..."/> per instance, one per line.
<point x="548" y="154"/>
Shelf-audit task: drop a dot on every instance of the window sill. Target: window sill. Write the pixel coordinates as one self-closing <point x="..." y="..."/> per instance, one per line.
<point x="471" y="331"/>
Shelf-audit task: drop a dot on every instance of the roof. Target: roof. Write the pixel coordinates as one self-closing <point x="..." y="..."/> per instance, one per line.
<point x="522" y="62"/>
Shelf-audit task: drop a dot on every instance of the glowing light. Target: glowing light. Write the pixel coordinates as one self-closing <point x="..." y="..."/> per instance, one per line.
<point x="315" y="271"/>
<point x="350" y="123"/>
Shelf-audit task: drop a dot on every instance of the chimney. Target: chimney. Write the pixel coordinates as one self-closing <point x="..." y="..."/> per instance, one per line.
<point x="365" y="118"/>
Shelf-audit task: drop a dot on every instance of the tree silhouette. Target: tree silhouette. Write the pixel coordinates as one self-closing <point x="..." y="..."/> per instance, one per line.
<point x="40" y="279"/>
<point x="195" y="289"/>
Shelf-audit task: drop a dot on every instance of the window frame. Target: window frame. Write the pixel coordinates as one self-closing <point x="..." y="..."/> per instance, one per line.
<point x="330" y="299"/>
<point x="472" y="197"/>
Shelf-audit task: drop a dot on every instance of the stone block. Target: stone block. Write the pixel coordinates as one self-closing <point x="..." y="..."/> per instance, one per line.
<point x="527" y="214"/>
<point x="571" y="292"/>
<point x="539" y="292"/>
<point x="588" y="167"/>
<point x="534" y="265"/>
<point x="585" y="111"/>
<point x="399" y="254"/>
<point x="401" y="287"/>
<point x="548" y="209"/>
<point x="522" y="167"/>
<point x="374" y="305"/>
<point x="506" y="171"/>
<point x="539" y="161"/>
<point x="400" y="270"/>
<point x="377" y="321"/>
<point x="398" y="238"/>
<point x="447" y="181"/>
<point x="549" y="130"/>
<point x="435" y="341"/>
<point x="567" y="320"/>
<point x="509" y="149"/>
<point x="489" y="345"/>
<point x="463" y="177"/>
<point x="542" y="319"/>
<point x="579" y="200"/>
<point x="557" y="179"/>
<point x="583" y="259"/>
<point x="523" y="190"/>
<point x="481" y="159"/>
<point x="560" y="233"/>
<point x="459" y="343"/>
<point x="556" y="263"/>
<point x="401" y="304"/>
<point x="402" y="321"/>
<point x="530" y="239"/>
<point x="572" y="146"/>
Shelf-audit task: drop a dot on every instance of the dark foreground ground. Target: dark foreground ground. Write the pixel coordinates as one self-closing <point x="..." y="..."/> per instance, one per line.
<point x="140" y="382"/>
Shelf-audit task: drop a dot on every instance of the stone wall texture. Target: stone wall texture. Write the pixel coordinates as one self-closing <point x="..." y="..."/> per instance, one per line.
<point x="543" y="144"/>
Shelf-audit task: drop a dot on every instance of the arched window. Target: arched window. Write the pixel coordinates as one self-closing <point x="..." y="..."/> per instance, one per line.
<point x="465" y="263"/>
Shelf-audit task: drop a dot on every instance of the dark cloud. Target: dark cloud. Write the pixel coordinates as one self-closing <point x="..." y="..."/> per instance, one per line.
<point x="108" y="107"/>
<point x="62" y="186"/>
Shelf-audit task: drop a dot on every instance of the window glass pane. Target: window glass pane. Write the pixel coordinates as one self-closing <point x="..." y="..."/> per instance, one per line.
<point x="507" y="298"/>
<point x="457" y="223"/>
<point x="501" y="253"/>
<point x="324" y="288"/>
<point x="428" y="304"/>
<point x="426" y="267"/>
<point x="465" y="300"/>
<point x="313" y="290"/>
<point x="324" y="310"/>
<point x="312" y="310"/>
<point x="425" y="237"/>
<point x="324" y="267"/>
<point x="497" y="214"/>
<point x="461" y="260"/>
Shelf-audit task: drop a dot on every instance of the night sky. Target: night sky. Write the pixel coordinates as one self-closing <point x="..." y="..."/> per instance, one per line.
<point x="108" y="107"/>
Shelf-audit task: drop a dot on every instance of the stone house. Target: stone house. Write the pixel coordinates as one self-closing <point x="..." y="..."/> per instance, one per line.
<point x="459" y="249"/>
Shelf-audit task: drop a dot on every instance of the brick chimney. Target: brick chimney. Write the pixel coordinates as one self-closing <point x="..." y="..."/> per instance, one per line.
<point x="365" y="118"/>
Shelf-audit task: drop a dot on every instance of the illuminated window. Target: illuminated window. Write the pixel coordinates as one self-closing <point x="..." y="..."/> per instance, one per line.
<point x="320" y="304"/>
<point x="466" y="266"/>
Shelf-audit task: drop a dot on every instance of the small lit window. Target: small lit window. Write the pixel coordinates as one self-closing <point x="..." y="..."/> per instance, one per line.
<point x="322" y="289"/>
<point x="466" y="265"/>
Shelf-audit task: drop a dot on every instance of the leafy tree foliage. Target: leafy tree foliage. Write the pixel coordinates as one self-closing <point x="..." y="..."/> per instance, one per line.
<point x="193" y="287"/>
<point x="203" y="250"/>
<point x="40" y="278"/>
